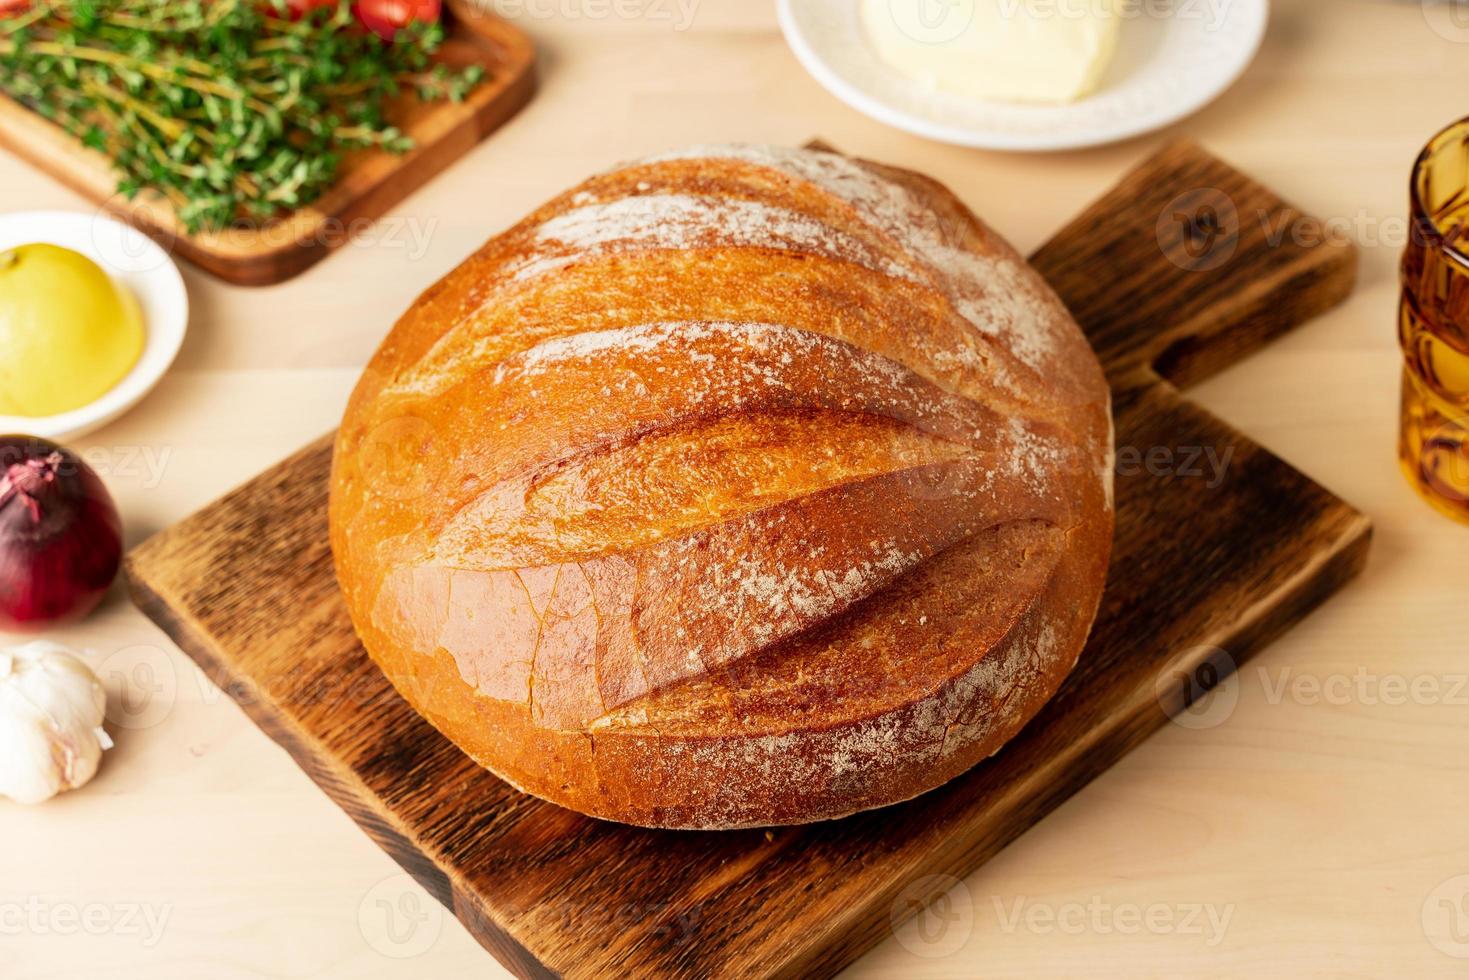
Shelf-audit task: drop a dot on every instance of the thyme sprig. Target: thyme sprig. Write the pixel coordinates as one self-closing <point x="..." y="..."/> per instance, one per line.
<point x="230" y="109"/>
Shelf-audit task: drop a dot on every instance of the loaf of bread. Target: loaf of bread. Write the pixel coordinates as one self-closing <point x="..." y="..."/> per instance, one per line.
<point x="736" y="486"/>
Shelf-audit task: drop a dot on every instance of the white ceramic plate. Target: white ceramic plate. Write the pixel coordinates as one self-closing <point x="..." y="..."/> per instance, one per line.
<point x="138" y="264"/>
<point x="1172" y="59"/>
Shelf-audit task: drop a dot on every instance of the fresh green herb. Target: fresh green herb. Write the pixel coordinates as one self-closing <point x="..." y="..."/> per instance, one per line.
<point x="231" y="109"/>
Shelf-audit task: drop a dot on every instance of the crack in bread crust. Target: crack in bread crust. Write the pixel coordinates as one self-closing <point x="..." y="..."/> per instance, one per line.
<point x="737" y="485"/>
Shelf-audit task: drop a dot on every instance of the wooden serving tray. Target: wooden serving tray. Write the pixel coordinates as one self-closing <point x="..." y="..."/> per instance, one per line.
<point x="369" y="182"/>
<point x="1173" y="277"/>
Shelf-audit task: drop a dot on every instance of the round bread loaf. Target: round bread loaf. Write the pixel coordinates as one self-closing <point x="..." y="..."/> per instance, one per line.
<point x="737" y="486"/>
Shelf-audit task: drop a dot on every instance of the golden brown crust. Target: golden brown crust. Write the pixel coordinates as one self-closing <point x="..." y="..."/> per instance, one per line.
<point x="739" y="486"/>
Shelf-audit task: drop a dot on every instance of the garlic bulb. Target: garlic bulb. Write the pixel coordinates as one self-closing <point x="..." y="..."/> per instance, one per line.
<point x="51" y="711"/>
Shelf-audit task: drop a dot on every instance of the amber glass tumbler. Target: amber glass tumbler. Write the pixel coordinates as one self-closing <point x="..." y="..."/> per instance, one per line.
<point x="1433" y="325"/>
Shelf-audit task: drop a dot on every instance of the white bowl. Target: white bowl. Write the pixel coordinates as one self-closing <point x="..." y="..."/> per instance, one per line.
<point x="137" y="264"/>
<point x="1172" y="60"/>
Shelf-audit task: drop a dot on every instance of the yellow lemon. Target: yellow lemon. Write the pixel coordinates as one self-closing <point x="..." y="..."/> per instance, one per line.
<point x="68" y="333"/>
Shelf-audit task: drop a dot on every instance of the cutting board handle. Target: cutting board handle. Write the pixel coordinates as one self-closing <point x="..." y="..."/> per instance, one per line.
<point x="1187" y="266"/>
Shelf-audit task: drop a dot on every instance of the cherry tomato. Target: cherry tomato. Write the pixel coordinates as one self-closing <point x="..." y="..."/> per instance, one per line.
<point x="386" y="18"/>
<point x="8" y="7"/>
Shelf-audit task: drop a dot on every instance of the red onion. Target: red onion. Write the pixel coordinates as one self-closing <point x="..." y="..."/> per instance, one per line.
<point x="60" y="536"/>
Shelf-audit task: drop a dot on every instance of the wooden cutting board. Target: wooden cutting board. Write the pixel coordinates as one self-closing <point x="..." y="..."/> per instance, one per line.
<point x="1174" y="276"/>
<point x="369" y="184"/>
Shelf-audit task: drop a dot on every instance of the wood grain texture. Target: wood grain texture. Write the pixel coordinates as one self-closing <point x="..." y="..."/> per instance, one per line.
<point x="369" y="184"/>
<point x="246" y="588"/>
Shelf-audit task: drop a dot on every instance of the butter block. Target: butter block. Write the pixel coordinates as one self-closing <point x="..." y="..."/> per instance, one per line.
<point x="1048" y="51"/>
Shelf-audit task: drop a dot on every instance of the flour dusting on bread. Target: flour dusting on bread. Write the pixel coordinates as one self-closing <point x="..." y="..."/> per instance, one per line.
<point x="994" y="292"/>
<point x="679" y="221"/>
<point x="768" y="485"/>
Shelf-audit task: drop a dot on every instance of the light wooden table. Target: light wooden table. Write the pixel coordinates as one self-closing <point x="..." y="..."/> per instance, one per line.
<point x="1322" y="831"/>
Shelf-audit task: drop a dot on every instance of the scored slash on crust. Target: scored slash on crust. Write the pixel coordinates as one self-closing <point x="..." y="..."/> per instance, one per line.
<point x="823" y="458"/>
